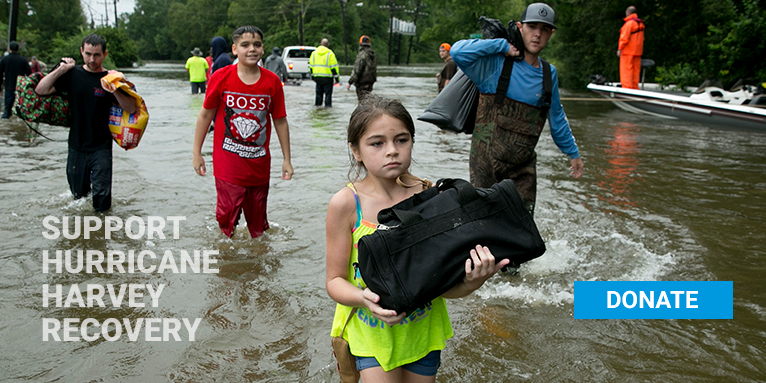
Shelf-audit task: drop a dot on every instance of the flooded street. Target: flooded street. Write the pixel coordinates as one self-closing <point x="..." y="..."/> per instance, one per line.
<point x="659" y="200"/>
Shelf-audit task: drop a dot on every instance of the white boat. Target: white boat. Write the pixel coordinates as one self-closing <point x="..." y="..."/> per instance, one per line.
<point x="709" y="105"/>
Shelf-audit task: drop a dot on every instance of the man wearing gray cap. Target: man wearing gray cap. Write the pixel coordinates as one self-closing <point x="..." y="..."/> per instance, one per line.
<point x="508" y="125"/>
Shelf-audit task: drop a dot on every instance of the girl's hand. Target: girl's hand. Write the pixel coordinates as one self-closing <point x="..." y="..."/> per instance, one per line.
<point x="389" y="317"/>
<point x="480" y="267"/>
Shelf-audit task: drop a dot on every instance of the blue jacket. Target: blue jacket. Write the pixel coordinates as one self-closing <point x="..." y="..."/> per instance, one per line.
<point x="482" y="61"/>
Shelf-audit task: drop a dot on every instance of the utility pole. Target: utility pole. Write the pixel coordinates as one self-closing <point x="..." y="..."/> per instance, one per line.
<point x="392" y="7"/>
<point x="343" y="22"/>
<point x="116" y="19"/>
<point x="416" y="13"/>
<point x="300" y="24"/>
<point x="106" y="14"/>
<point x="13" y="19"/>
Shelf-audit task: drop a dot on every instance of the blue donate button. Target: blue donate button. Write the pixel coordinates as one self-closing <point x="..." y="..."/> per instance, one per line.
<point x="653" y="300"/>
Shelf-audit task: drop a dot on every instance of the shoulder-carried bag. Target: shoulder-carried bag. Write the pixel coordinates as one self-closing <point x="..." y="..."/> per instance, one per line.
<point x="454" y="108"/>
<point x="420" y="247"/>
<point x="51" y="109"/>
<point x="346" y="362"/>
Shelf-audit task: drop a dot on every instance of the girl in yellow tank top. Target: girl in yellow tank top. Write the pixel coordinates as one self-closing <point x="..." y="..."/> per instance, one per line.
<point x="388" y="345"/>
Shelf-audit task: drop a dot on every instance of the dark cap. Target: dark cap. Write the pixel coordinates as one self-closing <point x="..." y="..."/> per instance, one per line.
<point x="539" y="13"/>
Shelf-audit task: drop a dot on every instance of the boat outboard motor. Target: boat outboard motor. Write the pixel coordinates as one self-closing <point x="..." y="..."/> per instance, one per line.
<point x="598" y="79"/>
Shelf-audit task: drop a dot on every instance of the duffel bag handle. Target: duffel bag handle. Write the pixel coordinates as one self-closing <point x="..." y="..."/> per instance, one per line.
<point x="465" y="191"/>
<point x="407" y="217"/>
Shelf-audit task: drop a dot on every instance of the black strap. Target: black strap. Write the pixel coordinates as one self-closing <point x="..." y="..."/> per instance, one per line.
<point x="37" y="131"/>
<point x="547" y="88"/>
<point x="505" y="80"/>
<point x="465" y="192"/>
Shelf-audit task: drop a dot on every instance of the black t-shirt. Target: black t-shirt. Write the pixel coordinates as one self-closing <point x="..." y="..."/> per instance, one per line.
<point x="12" y="66"/>
<point x="89" y="104"/>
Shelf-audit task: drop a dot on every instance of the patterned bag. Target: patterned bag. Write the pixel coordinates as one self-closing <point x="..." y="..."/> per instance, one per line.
<point x="51" y="109"/>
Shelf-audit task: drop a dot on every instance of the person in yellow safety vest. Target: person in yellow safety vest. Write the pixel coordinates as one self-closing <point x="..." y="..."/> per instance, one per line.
<point x="630" y="48"/>
<point x="324" y="71"/>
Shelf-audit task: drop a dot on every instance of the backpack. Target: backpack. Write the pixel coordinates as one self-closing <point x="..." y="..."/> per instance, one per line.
<point x="52" y="109"/>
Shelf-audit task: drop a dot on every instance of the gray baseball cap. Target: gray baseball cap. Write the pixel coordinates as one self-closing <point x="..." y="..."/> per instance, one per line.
<point x="539" y="13"/>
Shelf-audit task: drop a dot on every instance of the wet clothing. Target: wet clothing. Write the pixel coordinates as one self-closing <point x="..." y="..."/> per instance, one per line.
<point x="632" y="36"/>
<point x="197" y="67"/>
<point x="423" y="331"/>
<point x="631" y="47"/>
<point x="365" y="71"/>
<point x="234" y="199"/>
<point x="12" y="66"/>
<point x="244" y="115"/>
<point x="89" y="164"/>
<point x="88" y="172"/>
<point x="323" y="91"/>
<point x="89" y="104"/>
<point x="448" y="71"/>
<point x="275" y="64"/>
<point x="323" y="66"/>
<point x="507" y="132"/>
<point x="220" y="56"/>
<point x="426" y="366"/>
<point x="323" y="63"/>
<point x="503" y="145"/>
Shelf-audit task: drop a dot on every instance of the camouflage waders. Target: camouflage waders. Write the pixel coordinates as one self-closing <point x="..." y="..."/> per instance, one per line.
<point x="503" y="145"/>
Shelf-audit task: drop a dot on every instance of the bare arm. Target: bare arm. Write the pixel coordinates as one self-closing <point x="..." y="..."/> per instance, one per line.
<point x="200" y="131"/>
<point x="478" y="268"/>
<point x="283" y="133"/>
<point x="45" y="86"/>
<point x="127" y="103"/>
<point x="341" y="216"/>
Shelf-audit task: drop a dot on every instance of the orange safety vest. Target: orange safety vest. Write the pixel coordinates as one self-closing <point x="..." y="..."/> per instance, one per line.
<point x="632" y="36"/>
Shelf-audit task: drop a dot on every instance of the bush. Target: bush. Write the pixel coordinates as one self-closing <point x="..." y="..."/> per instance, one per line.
<point x="680" y="75"/>
<point x="122" y="51"/>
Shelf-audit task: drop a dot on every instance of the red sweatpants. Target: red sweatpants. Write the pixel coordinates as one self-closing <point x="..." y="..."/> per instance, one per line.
<point x="630" y="71"/>
<point x="235" y="199"/>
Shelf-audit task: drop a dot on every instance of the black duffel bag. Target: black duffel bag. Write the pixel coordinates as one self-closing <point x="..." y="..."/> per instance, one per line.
<point x="420" y="247"/>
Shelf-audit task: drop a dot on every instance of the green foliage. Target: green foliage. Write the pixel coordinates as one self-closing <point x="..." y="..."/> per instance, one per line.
<point x="718" y="39"/>
<point x="680" y="75"/>
<point x="122" y="50"/>
<point x="40" y="21"/>
<point x="689" y="40"/>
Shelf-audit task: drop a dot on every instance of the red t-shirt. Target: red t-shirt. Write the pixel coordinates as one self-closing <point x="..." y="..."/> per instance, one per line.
<point x="243" y="125"/>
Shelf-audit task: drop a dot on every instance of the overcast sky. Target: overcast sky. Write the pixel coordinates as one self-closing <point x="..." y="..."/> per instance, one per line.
<point x="96" y="7"/>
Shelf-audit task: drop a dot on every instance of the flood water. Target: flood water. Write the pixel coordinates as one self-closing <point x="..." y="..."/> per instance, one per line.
<point x="659" y="201"/>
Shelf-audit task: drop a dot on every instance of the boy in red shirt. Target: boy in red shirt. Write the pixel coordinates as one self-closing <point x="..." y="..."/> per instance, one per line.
<point x="245" y="101"/>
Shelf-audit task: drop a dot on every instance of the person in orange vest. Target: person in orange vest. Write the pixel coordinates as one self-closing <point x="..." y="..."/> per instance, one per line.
<point x="630" y="48"/>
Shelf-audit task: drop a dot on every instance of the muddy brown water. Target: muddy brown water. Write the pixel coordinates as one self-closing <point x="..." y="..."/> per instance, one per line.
<point x="659" y="200"/>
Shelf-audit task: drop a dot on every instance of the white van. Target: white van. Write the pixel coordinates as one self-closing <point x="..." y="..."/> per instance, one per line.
<point x="296" y="60"/>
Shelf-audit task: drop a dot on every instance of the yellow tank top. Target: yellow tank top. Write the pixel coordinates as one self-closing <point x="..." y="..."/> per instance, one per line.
<point x="421" y="332"/>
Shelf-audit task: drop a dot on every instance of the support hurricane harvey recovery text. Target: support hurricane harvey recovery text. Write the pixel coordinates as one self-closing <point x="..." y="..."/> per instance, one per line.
<point x="97" y="295"/>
